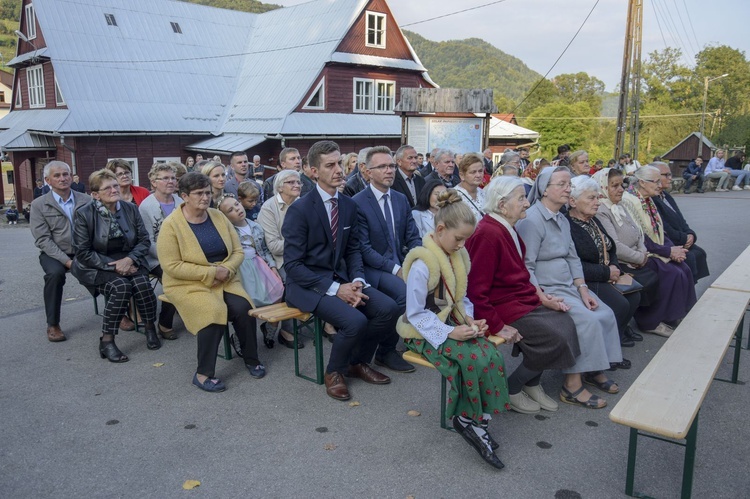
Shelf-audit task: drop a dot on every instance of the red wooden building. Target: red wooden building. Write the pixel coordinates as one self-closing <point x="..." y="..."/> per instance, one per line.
<point x="158" y="80"/>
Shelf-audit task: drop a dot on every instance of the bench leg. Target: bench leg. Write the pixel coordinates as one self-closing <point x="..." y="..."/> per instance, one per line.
<point x="689" y="466"/>
<point x="632" y="449"/>
<point x="738" y="350"/>
<point x="227" y="347"/>
<point x="317" y="326"/>
<point x="443" y="401"/>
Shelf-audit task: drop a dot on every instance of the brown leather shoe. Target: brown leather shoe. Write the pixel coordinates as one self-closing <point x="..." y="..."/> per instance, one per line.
<point x="368" y="374"/>
<point x="126" y="324"/>
<point x="336" y="386"/>
<point x="55" y="334"/>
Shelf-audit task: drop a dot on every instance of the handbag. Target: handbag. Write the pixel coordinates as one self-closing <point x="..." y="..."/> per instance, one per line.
<point x="625" y="283"/>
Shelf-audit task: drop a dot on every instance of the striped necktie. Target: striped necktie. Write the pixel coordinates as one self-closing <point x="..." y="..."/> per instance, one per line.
<point x="334" y="219"/>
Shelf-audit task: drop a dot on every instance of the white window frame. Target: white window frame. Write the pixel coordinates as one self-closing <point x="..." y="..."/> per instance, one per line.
<point x="35" y="84"/>
<point x="133" y="164"/>
<point x="321" y="87"/>
<point x="375" y="97"/>
<point x="367" y="101"/>
<point x="370" y="17"/>
<point x="30" y="22"/>
<point x="59" y="99"/>
<point x="19" y="95"/>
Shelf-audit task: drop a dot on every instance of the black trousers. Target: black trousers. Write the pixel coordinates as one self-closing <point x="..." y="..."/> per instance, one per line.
<point x="244" y="327"/>
<point x="359" y="329"/>
<point x="623" y="306"/>
<point x="117" y="293"/>
<point x="54" y="280"/>
<point x="166" y="316"/>
<point x="395" y="288"/>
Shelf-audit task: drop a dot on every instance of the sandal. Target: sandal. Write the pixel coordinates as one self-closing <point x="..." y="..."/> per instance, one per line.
<point x="608" y="386"/>
<point x="570" y="398"/>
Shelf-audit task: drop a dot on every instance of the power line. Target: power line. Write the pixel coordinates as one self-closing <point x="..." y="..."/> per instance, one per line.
<point x="651" y="116"/>
<point x="687" y="35"/>
<point x="558" y="59"/>
<point x="658" y="23"/>
<point x="453" y="13"/>
<point x="687" y="13"/>
<point x="672" y="27"/>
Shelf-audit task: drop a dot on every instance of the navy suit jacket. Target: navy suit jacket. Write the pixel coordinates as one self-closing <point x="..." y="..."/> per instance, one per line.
<point x="310" y="260"/>
<point x="675" y="226"/>
<point x="374" y="236"/>
<point x="399" y="184"/>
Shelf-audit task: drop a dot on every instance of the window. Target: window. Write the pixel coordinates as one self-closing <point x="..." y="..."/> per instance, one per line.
<point x="176" y="27"/>
<point x="30" y="22"/>
<point x="317" y="99"/>
<point x="35" y="81"/>
<point x="59" y="100"/>
<point x="134" y="165"/>
<point x="2" y="97"/>
<point x="375" y="31"/>
<point x="167" y="159"/>
<point x="374" y="96"/>
<point x="19" y="99"/>
<point x="362" y="95"/>
<point x="111" y="21"/>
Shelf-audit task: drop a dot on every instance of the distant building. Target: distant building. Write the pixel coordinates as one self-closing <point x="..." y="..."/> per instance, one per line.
<point x="686" y="151"/>
<point x="158" y="80"/>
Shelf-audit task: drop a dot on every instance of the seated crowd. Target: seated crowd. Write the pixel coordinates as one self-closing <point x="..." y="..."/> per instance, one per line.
<point x="557" y="263"/>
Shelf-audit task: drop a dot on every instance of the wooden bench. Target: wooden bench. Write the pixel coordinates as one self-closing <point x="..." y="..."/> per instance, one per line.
<point x="665" y="399"/>
<point x="736" y="278"/>
<point x="302" y="320"/>
<point x="420" y="360"/>
<point x="227" y="348"/>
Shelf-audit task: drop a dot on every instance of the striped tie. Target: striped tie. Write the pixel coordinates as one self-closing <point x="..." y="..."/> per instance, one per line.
<point x="334" y="219"/>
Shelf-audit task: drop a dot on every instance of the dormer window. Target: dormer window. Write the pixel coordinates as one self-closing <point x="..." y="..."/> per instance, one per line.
<point x="111" y="21"/>
<point x="375" y="30"/>
<point x="176" y="27"/>
<point x="317" y="100"/>
<point x="30" y="22"/>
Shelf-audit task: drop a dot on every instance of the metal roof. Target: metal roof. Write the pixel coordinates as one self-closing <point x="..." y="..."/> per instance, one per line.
<point x="26" y="141"/>
<point x="342" y="124"/>
<point x="500" y="129"/>
<point x="228" y="143"/>
<point x="40" y="53"/>
<point x="371" y="60"/>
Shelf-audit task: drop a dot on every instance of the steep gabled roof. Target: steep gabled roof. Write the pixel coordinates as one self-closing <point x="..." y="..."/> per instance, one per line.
<point x="697" y="135"/>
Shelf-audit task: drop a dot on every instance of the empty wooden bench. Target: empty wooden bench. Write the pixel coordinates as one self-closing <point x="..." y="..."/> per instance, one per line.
<point x="736" y="278"/>
<point x="420" y="360"/>
<point x="227" y="348"/>
<point x="665" y="399"/>
<point x="301" y="320"/>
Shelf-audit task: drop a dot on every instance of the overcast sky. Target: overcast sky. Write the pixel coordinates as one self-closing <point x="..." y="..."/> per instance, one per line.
<point x="536" y="31"/>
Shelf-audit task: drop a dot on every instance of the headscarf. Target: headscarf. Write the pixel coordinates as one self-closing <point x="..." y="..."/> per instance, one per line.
<point x="649" y="208"/>
<point x="540" y="184"/>
<point x="618" y="212"/>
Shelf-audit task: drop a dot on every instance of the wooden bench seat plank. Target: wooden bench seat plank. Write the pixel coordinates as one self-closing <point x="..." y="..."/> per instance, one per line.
<point x="737" y="276"/>
<point x="667" y="395"/>
<point x="278" y="312"/>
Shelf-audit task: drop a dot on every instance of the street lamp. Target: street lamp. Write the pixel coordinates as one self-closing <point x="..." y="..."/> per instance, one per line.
<point x="703" y="114"/>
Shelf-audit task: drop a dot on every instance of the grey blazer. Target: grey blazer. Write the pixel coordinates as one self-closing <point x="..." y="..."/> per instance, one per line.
<point x="51" y="227"/>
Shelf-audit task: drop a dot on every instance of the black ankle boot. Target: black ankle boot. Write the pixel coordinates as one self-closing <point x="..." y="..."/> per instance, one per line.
<point x="108" y="350"/>
<point x="152" y="339"/>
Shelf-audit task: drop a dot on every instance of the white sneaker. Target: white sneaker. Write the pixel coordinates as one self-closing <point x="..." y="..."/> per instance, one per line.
<point x="662" y="330"/>
<point x="520" y="402"/>
<point x="720" y="190"/>
<point x="536" y="393"/>
<point x="747" y="187"/>
<point x="736" y="188"/>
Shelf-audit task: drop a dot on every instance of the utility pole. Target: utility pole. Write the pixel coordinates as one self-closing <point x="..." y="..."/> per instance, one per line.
<point x="706" y="80"/>
<point x="631" y="58"/>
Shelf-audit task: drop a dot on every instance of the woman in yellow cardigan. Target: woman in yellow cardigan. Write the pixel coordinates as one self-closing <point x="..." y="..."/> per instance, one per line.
<point x="200" y="253"/>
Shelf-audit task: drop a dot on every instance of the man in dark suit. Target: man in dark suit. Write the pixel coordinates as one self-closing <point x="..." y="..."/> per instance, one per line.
<point x="676" y="227"/>
<point x="357" y="180"/>
<point x="406" y="181"/>
<point x="325" y="276"/>
<point x="444" y="168"/>
<point x="51" y="223"/>
<point x="289" y="159"/>
<point x="77" y="185"/>
<point x="489" y="166"/>
<point x="387" y="233"/>
<point x="426" y="167"/>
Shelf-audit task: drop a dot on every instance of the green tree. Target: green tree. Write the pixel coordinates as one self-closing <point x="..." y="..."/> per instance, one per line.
<point x="580" y="86"/>
<point x="561" y="123"/>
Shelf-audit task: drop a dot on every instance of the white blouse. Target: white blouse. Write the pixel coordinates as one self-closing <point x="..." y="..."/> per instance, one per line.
<point x="427" y="323"/>
<point x="475" y="205"/>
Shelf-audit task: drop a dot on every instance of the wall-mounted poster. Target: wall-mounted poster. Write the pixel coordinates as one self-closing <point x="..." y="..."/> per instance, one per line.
<point x="461" y="135"/>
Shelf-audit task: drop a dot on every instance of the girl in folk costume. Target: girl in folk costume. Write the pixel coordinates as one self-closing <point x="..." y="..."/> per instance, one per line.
<point x="439" y="325"/>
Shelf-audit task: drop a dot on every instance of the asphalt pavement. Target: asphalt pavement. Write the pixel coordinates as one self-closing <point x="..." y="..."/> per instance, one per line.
<point x="74" y="425"/>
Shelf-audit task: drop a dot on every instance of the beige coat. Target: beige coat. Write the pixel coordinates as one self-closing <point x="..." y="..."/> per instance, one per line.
<point x="188" y="275"/>
<point x="271" y="218"/>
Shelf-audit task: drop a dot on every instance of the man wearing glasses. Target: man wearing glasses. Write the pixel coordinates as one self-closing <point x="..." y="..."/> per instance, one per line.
<point x="387" y="232"/>
<point x="51" y="225"/>
<point x="289" y="159"/>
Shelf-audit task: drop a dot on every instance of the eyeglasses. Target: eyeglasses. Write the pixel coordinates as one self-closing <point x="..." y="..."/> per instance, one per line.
<point x="668" y="175"/>
<point x="562" y="185"/>
<point x="201" y="194"/>
<point x="657" y="181"/>
<point x="109" y="188"/>
<point x="123" y="174"/>
<point x="167" y="179"/>
<point x="292" y="182"/>
<point x="392" y="166"/>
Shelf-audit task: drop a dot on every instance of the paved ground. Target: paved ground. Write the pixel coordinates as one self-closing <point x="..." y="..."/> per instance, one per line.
<point x="74" y="425"/>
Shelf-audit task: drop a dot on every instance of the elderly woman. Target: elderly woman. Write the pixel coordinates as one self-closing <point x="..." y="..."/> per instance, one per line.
<point x="426" y="208"/>
<point x="557" y="273"/>
<point x="508" y="159"/>
<point x="578" y="162"/>
<point x="287" y="186"/>
<point x="217" y="175"/>
<point x="124" y="173"/>
<point x="598" y="254"/>
<point x="111" y="245"/>
<point x="502" y="293"/>
<point x="200" y="254"/>
<point x="631" y="218"/>
<point x="154" y="209"/>
<point x="471" y="172"/>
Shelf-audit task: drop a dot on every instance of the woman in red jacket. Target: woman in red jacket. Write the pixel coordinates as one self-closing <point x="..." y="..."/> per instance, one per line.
<point x="128" y="191"/>
<point x="502" y="293"/>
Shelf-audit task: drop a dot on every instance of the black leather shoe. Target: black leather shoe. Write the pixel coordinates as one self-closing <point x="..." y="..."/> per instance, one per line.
<point x="152" y="339"/>
<point x="625" y="341"/>
<point x="630" y="333"/>
<point x="290" y="343"/>
<point x="108" y="350"/>
<point x="483" y="425"/>
<point x="393" y="361"/>
<point x="470" y="436"/>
